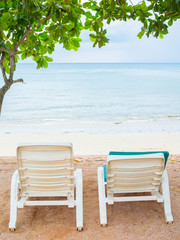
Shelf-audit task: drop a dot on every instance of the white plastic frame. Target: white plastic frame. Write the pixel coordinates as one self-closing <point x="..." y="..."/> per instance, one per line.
<point x="18" y="201"/>
<point x="155" y="196"/>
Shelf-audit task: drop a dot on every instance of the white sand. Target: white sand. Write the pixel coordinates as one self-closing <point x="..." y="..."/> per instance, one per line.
<point x="98" y="144"/>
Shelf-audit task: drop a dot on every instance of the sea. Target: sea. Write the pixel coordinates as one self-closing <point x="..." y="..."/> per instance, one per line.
<point x="93" y="98"/>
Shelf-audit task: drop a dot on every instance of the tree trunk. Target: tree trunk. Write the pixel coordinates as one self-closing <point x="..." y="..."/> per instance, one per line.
<point x="1" y="99"/>
<point x="3" y="91"/>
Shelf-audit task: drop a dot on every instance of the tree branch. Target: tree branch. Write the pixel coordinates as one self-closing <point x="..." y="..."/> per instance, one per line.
<point x="18" y="80"/>
<point x="4" y="50"/>
<point x="29" y="29"/>
<point x="2" y="67"/>
<point x="22" y="39"/>
<point x="131" y="3"/>
<point x="11" y="66"/>
<point x="14" y="51"/>
<point x="42" y="22"/>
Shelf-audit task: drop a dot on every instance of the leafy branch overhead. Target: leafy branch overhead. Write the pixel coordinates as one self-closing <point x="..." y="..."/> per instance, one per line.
<point x="155" y="16"/>
<point x="31" y="28"/>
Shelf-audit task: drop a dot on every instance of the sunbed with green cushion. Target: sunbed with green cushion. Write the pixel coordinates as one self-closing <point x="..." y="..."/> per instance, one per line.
<point x="166" y="155"/>
<point x="134" y="172"/>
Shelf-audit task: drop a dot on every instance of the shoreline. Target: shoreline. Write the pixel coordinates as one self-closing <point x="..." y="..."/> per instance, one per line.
<point x="97" y="144"/>
<point x="52" y="125"/>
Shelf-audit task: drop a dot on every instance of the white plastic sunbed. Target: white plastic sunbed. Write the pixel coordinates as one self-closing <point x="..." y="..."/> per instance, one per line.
<point x="134" y="173"/>
<point x="46" y="170"/>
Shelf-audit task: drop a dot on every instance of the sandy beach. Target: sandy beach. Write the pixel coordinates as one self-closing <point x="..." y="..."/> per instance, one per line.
<point x="97" y="144"/>
<point x="130" y="220"/>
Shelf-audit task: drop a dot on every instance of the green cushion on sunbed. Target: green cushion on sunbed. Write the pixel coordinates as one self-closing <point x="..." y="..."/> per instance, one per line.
<point x="166" y="155"/>
<point x="105" y="172"/>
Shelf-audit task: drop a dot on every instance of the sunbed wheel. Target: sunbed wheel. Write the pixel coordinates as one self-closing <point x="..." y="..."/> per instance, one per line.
<point x="12" y="229"/>
<point x="170" y="222"/>
<point x="103" y="225"/>
<point x="79" y="229"/>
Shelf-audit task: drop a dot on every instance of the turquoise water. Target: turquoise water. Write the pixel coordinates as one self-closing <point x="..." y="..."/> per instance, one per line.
<point x="93" y="98"/>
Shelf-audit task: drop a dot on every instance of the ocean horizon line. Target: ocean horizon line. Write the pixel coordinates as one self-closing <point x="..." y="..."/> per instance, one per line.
<point x="103" y="63"/>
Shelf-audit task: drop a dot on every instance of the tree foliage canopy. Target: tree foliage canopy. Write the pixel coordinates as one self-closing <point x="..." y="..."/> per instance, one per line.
<point x="155" y="16"/>
<point x="31" y="28"/>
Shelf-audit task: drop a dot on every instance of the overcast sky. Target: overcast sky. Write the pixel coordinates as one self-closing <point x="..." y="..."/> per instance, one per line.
<point x="125" y="46"/>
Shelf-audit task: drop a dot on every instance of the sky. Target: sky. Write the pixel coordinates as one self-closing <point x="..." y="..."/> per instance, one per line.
<point x="125" y="46"/>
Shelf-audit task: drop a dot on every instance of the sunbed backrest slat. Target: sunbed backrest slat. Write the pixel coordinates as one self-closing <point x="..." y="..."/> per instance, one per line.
<point x="143" y="172"/>
<point x="45" y="168"/>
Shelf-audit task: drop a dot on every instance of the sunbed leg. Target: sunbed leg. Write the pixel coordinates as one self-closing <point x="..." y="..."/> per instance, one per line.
<point x="102" y="198"/>
<point x="13" y="203"/>
<point x="79" y="199"/>
<point x="166" y="195"/>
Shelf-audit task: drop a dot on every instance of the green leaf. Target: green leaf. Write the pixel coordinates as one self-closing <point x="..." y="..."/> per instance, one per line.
<point x="48" y="59"/>
<point x="52" y="27"/>
<point x="105" y="39"/>
<point x="23" y="55"/>
<point x="66" y="19"/>
<point x="54" y="19"/>
<point x="92" y="36"/>
<point x="66" y="45"/>
<point x="86" y="4"/>
<point x="7" y="68"/>
<point x="3" y="26"/>
<point x="89" y="15"/>
<point x="164" y="32"/>
<point x="143" y="5"/>
<point x="57" y="14"/>
<point x="140" y="34"/>
<point x="43" y="50"/>
<point x="50" y="50"/>
<point x="44" y="63"/>
<point x="92" y="39"/>
<point x="22" y="47"/>
<point x="43" y="35"/>
<point x="79" y="39"/>
<point x="2" y="5"/>
<point x="36" y="59"/>
<point x="109" y="21"/>
<point x="75" y="43"/>
<point x="170" y="22"/>
<point x="161" y="35"/>
<point x="5" y="17"/>
<point x="75" y="48"/>
<point x="39" y="65"/>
